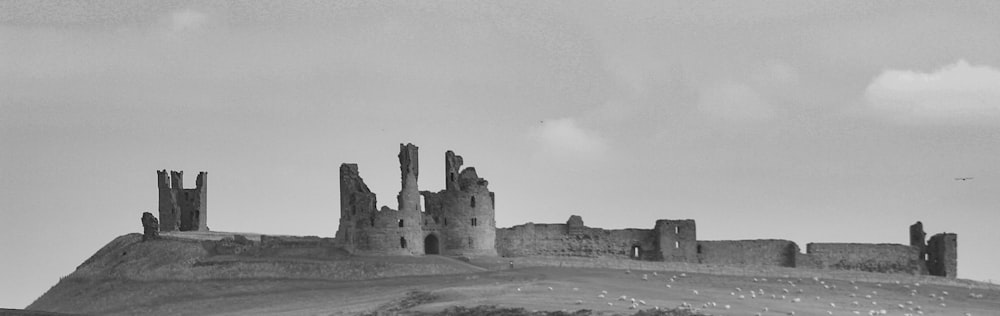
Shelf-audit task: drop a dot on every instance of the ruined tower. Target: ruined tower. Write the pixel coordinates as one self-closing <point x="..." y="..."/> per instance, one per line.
<point x="408" y="218"/>
<point x="917" y="238"/>
<point x="942" y="255"/>
<point x="182" y="209"/>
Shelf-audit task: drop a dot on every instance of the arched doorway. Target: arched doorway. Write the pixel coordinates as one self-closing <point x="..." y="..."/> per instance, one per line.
<point x="636" y="252"/>
<point x="431" y="245"/>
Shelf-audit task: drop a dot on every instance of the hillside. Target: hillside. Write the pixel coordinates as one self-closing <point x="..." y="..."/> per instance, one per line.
<point x="212" y="274"/>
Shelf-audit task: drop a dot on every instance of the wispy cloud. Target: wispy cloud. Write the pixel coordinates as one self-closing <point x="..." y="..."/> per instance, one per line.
<point x="956" y="93"/>
<point x="564" y="140"/>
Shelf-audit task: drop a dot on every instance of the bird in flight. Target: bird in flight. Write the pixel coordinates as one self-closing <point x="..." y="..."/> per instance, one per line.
<point x="964" y="179"/>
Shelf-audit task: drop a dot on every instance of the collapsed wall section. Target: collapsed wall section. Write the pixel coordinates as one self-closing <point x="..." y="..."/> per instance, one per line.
<point x="885" y="258"/>
<point x="764" y="252"/>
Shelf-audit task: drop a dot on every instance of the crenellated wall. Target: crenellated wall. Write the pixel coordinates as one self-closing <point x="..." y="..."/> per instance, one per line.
<point x="764" y="252"/>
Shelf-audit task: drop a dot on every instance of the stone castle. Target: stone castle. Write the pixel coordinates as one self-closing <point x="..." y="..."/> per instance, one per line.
<point x="460" y="221"/>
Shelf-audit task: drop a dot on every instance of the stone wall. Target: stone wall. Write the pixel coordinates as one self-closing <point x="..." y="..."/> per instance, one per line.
<point x="764" y="252"/>
<point x="886" y="258"/>
<point x="555" y="240"/>
<point x="808" y="261"/>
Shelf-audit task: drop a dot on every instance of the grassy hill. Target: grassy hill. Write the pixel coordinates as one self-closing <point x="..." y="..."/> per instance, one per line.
<point x="187" y="274"/>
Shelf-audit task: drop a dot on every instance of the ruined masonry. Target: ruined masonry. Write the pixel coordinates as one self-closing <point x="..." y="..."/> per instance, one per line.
<point x="182" y="209"/>
<point x="458" y="220"/>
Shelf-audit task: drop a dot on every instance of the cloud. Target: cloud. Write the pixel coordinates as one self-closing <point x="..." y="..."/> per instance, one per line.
<point x="733" y="101"/>
<point x="955" y="93"/>
<point x="564" y="140"/>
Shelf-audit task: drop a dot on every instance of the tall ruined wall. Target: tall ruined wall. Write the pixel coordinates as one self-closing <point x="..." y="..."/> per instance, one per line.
<point x="366" y="230"/>
<point x="182" y="209"/>
<point x="765" y="252"/>
<point x="886" y="258"/>
<point x="942" y="255"/>
<point x="918" y="237"/>
<point x="170" y="212"/>
<point x="574" y="239"/>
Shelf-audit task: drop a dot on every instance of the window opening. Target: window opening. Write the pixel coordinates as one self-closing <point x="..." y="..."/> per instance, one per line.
<point x="472" y="202"/>
<point x="402" y="242"/>
<point x="400" y="223"/>
<point x="677" y="244"/>
<point x="636" y="251"/>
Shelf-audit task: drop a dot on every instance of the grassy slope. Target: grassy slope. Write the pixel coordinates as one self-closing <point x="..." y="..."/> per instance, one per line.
<point x="128" y="272"/>
<point x="173" y="277"/>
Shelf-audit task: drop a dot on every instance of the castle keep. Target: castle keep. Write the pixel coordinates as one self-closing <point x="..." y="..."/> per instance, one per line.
<point x="458" y="220"/>
<point x="182" y="209"/>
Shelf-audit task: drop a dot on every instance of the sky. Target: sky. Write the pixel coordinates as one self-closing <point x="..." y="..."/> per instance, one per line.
<point x="828" y="121"/>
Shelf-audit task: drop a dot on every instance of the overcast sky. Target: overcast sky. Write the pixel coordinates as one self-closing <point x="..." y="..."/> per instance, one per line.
<point x="810" y="121"/>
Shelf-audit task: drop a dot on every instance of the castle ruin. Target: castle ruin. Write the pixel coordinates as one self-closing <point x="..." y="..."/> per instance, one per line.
<point x="458" y="220"/>
<point x="182" y="209"/>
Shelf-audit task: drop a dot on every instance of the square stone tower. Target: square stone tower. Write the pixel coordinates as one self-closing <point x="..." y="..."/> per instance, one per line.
<point x="182" y="209"/>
